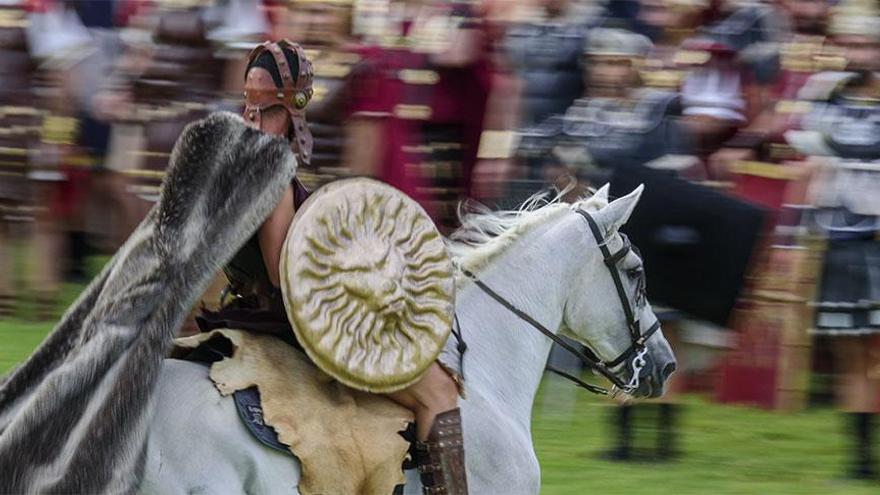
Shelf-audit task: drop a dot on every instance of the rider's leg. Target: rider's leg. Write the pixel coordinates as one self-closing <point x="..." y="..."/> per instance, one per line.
<point x="439" y="451"/>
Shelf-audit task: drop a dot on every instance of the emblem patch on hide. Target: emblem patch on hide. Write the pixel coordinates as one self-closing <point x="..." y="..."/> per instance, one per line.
<point x="247" y="403"/>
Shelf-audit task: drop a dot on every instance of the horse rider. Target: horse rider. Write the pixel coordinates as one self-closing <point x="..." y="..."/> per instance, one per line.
<point x="278" y="87"/>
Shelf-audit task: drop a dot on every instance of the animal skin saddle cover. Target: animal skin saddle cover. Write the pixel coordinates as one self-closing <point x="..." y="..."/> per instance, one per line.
<point x="74" y="416"/>
<point x="347" y="441"/>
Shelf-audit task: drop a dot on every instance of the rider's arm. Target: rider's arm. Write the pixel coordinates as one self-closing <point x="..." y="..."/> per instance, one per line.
<point x="363" y="146"/>
<point x="272" y="233"/>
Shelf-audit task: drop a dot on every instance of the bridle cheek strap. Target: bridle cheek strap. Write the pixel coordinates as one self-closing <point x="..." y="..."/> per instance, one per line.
<point x="639" y="340"/>
<point x="611" y="261"/>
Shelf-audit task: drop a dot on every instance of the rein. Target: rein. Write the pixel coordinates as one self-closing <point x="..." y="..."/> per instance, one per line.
<point x="590" y="360"/>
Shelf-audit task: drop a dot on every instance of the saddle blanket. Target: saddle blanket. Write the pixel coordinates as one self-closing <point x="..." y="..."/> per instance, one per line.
<point x="347" y="441"/>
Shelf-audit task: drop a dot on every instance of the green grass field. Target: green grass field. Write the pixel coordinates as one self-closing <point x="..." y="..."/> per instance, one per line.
<point x="726" y="449"/>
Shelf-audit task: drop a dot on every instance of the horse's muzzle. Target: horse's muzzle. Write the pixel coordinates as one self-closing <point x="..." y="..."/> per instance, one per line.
<point x="652" y="379"/>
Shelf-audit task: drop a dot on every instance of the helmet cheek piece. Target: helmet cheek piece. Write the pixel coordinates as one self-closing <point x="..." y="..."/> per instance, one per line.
<point x="293" y="96"/>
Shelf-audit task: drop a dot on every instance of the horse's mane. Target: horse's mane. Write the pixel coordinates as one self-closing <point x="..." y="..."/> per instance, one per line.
<point x="484" y="233"/>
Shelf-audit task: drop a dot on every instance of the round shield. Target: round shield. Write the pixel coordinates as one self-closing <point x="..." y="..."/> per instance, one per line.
<point x="368" y="284"/>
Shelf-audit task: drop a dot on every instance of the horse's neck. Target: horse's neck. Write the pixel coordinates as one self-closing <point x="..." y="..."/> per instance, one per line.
<point x="506" y="356"/>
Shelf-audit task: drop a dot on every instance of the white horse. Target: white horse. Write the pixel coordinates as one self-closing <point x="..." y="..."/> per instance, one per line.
<point x="545" y="261"/>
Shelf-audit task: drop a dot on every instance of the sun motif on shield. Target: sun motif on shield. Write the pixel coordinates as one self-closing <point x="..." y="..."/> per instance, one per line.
<point x="368" y="284"/>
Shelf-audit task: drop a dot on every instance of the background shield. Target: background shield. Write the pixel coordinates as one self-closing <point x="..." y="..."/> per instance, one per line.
<point x="696" y="242"/>
<point x="368" y="284"/>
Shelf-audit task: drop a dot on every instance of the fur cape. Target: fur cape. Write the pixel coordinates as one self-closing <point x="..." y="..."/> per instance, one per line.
<point x="74" y="416"/>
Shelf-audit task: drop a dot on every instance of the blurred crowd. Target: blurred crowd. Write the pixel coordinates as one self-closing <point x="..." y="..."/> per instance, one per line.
<point x="448" y="100"/>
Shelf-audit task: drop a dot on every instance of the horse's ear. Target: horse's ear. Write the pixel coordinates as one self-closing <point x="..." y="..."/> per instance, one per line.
<point x="602" y="193"/>
<point x="615" y="215"/>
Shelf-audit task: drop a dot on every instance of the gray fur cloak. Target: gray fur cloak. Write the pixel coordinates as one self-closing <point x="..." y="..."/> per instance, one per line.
<point x="74" y="416"/>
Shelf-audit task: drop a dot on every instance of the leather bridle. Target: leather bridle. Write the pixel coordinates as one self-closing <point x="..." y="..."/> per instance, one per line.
<point x="637" y="348"/>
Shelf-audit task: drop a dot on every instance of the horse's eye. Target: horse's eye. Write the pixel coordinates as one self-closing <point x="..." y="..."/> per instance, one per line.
<point x="634" y="273"/>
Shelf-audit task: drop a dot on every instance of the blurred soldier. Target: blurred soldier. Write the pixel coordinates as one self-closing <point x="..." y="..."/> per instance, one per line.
<point x="718" y="91"/>
<point x="17" y="119"/>
<point x="710" y="88"/>
<point x="168" y="77"/>
<point x="803" y="51"/>
<point x="418" y="115"/>
<point x="59" y="174"/>
<point x="92" y="138"/>
<point x="783" y="44"/>
<point x="58" y="187"/>
<point x="616" y="123"/>
<point x="667" y="23"/>
<point x="843" y="123"/>
<point x="546" y="53"/>
<point x="324" y="29"/>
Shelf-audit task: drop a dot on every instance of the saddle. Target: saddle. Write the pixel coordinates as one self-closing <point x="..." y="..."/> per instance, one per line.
<point x="346" y="441"/>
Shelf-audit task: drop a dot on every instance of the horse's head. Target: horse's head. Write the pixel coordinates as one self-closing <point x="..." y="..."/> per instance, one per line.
<point x="611" y="316"/>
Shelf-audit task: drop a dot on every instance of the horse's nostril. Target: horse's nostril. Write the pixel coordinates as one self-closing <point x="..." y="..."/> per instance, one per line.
<point x="668" y="369"/>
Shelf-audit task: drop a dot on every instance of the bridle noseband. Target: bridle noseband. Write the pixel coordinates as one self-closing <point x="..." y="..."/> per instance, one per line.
<point x="637" y="346"/>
